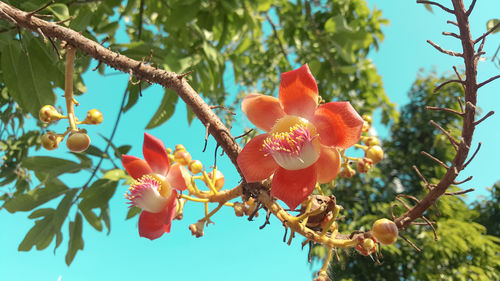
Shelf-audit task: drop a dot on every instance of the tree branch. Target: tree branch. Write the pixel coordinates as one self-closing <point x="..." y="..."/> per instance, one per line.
<point x="138" y="69"/>
<point x="471" y="87"/>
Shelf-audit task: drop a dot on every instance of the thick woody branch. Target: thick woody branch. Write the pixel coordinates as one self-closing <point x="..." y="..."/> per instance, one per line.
<point x="471" y="86"/>
<point x="138" y="69"/>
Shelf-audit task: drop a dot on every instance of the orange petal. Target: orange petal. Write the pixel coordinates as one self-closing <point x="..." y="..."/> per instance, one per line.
<point x="262" y="110"/>
<point x="338" y="124"/>
<point x="293" y="187"/>
<point x="298" y="92"/>
<point x="135" y="167"/>
<point x="178" y="177"/>
<point x="155" y="154"/>
<point x="328" y="164"/>
<point x="253" y="162"/>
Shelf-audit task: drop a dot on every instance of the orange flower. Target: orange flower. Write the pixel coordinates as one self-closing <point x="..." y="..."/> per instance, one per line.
<point x="154" y="189"/>
<point x="301" y="140"/>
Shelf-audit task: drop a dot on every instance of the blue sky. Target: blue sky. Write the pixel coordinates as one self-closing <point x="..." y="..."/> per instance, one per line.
<point x="234" y="248"/>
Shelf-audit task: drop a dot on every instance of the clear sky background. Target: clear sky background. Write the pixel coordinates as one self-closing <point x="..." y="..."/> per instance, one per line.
<point x="233" y="248"/>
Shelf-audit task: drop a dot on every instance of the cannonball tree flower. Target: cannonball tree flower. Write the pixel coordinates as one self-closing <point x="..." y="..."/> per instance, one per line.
<point x="155" y="187"/>
<point x="300" y="146"/>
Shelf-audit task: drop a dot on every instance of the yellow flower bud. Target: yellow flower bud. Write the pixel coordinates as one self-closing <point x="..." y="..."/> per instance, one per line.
<point x="375" y="153"/>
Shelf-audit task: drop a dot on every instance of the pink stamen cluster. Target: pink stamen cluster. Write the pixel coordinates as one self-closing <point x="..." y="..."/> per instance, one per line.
<point x="291" y="142"/>
<point x="140" y="187"/>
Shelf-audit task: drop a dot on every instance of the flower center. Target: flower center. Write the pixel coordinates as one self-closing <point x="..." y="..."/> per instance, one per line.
<point x="293" y="143"/>
<point x="149" y="193"/>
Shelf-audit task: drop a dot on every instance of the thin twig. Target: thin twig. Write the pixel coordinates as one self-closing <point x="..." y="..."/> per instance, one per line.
<point x="276" y="35"/>
<point x="436" y="4"/>
<point x="409" y="242"/>
<point x="452" y="22"/>
<point x="432" y="227"/>
<point x="453" y="141"/>
<point x="420" y="175"/>
<point x="487" y="81"/>
<point x="446" y="83"/>
<point x="435" y="159"/>
<point x="222" y="107"/>
<point x="244" y="134"/>
<point x="459" y="192"/>
<point x="444" y="109"/>
<point x="451" y="34"/>
<point x="115" y="127"/>
<point x="206" y="137"/>
<point x="41" y="8"/>
<point x="473" y="155"/>
<point x="463" y="181"/>
<point x="487" y="33"/>
<point x="484" y="118"/>
<point x="448" y="52"/>
<point x="463" y="85"/>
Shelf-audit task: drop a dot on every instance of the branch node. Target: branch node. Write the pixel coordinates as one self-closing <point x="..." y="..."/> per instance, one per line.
<point x="180" y="76"/>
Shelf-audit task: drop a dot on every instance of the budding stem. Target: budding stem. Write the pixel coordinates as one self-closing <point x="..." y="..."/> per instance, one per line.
<point x="68" y="86"/>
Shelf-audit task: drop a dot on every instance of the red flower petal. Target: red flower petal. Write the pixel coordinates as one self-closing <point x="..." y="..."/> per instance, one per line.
<point x="293" y="187"/>
<point x="253" y="162"/>
<point x="328" y="164"/>
<point x="178" y="177"/>
<point x="155" y="154"/>
<point x="135" y="167"/>
<point x="171" y="210"/>
<point x="298" y="92"/>
<point x="338" y="124"/>
<point x="262" y="110"/>
<point x="151" y="224"/>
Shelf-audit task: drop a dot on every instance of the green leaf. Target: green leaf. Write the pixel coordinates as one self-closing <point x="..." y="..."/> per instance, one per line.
<point x="50" y="165"/>
<point x="115" y="175"/>
<point x="106" y="218"/>
<point x="92" y="219"/>
<point x="491" y="23"/>
<point x="24" y="76"/>
<point x="165" y="110"/>
<point x="36" y="197"/>
<point x="38" y="232"/>
<point x="330" y="25"/>
<point x="75" y="238"/>
<point x="428" y="7"/>
<point x="98" y="194"/>
<point x="95" y="151"/>
<point x="59" y="10"/>
<point x="132" y="212"/>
